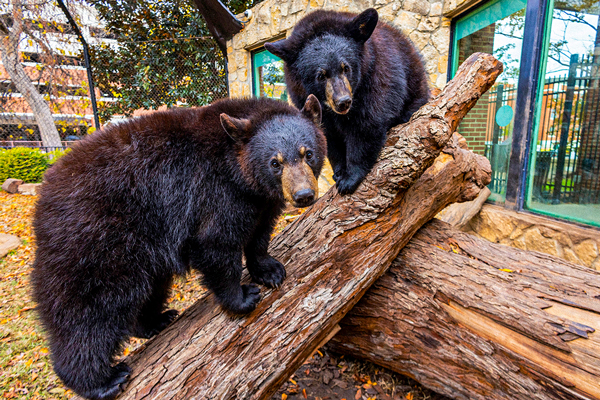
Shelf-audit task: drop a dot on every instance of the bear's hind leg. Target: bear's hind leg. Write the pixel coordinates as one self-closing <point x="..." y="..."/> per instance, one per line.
<point x="82" y="358"/>
<point x="152" y="319"/>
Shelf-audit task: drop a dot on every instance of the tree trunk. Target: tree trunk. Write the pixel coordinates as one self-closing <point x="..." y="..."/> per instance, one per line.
<point x="9" y="50"/>
<point x="333" y="253"/>
<point x="471" y="319"/>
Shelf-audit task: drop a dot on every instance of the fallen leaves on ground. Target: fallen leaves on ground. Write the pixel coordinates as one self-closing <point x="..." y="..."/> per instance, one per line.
<point x="26" y="373"/>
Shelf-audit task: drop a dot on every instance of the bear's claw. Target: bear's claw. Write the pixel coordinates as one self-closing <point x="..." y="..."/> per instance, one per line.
<point x="120" y="374"/>
<point x="267" y="272"/>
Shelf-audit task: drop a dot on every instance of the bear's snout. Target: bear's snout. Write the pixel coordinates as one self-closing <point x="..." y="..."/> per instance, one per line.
<point x="299" y="184"/>
<point x="343" y="104"/>
<point x="304" y="197"/>
<point x="338" y="93"/>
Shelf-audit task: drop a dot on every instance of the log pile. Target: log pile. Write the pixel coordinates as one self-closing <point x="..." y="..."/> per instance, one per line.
<point x="333" y="253"/>
<point x="476" y="320"/>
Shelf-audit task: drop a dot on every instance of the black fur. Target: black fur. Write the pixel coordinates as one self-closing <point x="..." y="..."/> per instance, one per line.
<point x="387" y="78"/>
<point x="141" y="201"/>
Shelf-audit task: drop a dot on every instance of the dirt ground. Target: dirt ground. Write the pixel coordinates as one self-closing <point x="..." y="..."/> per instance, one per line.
<point x="26" y="373"/>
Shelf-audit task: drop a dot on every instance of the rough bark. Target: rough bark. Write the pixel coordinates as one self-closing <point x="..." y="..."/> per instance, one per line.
<point x="333" y="253"/>
<point x="471" y="319"/>
<point x="10" y="36"/>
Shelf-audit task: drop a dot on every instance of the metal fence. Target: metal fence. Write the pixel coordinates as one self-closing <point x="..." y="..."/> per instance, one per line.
<point x="567" y="153"/>
<point x="155" y="75"/>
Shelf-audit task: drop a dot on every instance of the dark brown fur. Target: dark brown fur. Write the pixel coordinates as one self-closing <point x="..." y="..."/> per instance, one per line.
<point x="143" y="200"/>
<point x="367" y="75"/>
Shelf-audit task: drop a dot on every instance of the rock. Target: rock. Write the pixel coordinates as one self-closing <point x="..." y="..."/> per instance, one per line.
<point x="571" y="256"/>
<point x="492" y="226"/>
<point x="534" y="240"/>
<point x="587" y="251"/>
<point x="8" y="243"/>
<point x="30" y="189"/>
<point x="11" y="185"/>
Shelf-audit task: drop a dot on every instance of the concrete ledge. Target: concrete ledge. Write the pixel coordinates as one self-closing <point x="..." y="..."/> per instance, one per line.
<point x="526" y="231"/>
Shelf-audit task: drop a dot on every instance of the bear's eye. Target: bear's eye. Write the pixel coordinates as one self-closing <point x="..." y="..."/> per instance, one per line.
<point x="345" y="68"/>
<point x="321" y="76"/>
<point x="275" y="164"/>
<point x="309" y="155"/>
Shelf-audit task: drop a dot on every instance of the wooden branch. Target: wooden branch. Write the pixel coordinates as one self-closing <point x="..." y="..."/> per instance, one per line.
<point x="459" y="214"/>
<point x="332" y="253"/>
<point x="472" y="319"/>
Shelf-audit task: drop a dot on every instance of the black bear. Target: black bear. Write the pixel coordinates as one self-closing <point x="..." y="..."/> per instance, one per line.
<point x="148" y="198"/>
<point x="368" y="76"/>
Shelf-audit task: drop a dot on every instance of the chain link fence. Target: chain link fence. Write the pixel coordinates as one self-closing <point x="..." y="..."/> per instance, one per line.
<point x="146" y="76"/>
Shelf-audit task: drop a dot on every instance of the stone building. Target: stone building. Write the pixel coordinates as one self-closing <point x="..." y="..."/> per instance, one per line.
<point x="537" y="125"/>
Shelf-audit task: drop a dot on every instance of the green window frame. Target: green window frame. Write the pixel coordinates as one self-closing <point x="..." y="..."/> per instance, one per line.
<point x="528" y="203"/>
<point x="260" y="59"/>
<point x="495" y="139"/>
<point x="481" y="17"/>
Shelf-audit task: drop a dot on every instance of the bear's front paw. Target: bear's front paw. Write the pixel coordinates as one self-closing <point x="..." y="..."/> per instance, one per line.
<point x="348" y="184"/>
<point x="338" y="174"/>
<point x="119" y="375"/>
<point x="246" y="302"/>
<point x="267" y="272"/>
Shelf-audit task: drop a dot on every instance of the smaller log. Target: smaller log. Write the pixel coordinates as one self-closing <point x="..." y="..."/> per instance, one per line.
<point x="459" y="214"/>
<point x="471" y="319"/>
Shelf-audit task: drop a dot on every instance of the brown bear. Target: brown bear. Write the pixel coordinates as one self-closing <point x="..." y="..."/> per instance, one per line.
<point x="368" y="76"/>
<point x="141" y="201"/>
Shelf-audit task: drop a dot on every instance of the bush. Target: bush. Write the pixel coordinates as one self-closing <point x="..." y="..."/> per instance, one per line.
<point x="54" y="155"/>
<point x="23" y="163"/>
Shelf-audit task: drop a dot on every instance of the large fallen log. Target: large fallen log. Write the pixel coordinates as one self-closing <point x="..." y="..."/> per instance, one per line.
<point x="472" y="319"/>
<point x="333" y="253"/>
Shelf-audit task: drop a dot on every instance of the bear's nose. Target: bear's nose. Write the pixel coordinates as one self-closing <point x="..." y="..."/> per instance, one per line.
<point x="304" y="197"/>
<point x="343" y="103"/>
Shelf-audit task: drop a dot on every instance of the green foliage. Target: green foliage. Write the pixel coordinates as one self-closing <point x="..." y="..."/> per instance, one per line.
<point x="165" y="56"/>
<point x="54" y="155"/>
<point x="23" y="163"/>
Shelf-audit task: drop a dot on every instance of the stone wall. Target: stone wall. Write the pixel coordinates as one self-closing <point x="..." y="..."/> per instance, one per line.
<point x="526" y="231"/>
<point x="421" y="20"/>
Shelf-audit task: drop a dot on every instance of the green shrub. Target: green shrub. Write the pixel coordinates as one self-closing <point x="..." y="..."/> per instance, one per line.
<point x="54" y="155"/>
<point x="23" y="163"/>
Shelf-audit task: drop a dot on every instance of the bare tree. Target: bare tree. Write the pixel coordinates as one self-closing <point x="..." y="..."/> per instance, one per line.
<point x="34" y="24"/>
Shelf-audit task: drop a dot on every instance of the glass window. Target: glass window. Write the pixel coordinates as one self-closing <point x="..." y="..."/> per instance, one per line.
<point x="495" y="28"/>
<point x="267" y="74"/>
<point x="564" y="172"/>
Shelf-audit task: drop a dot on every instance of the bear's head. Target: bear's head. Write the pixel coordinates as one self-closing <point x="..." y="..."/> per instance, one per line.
<point x="281" y="156"/>
<point x="324" y="54"/>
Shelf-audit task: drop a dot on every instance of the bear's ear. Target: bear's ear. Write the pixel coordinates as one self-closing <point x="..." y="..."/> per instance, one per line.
<point x="236" y="128"/>
<point x="279" y="48"/>
<point x="312" y="109"/>
<point x="363" y="25"/>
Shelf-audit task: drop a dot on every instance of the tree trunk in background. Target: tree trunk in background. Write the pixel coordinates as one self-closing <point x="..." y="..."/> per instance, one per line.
<point x="333" y="253"/>
<point x="9" y="49"/>
<point x="471" y="319"/>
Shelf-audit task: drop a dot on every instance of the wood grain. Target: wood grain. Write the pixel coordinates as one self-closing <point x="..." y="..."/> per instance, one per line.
<point x="476" y="320"/>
